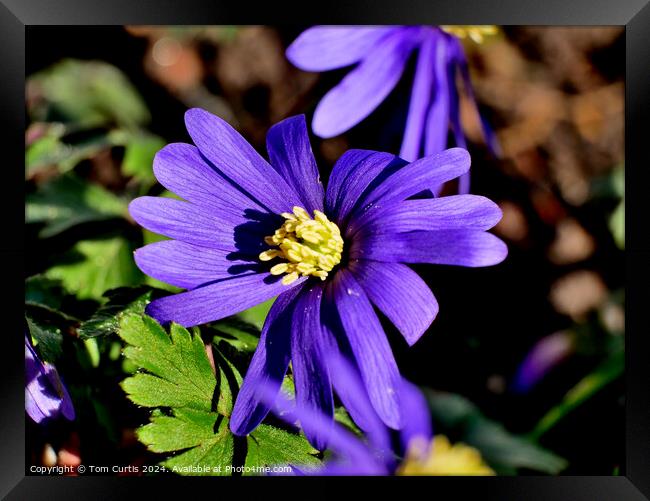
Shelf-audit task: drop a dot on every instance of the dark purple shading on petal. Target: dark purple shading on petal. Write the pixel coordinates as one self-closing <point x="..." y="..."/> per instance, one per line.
<point x="310" y="371"/>
<point x="46" y="397"/>
<point x="437" y="125"/>
<point x="400" y="294"/>
<point x="238" y="161"/>
<point x="369" y="346"/>
<point x="290" y="153"/>
<point x="182" y="169"/>
<point x="323" y="48"/>
<point x="354" y="456"/>
<point x="366" y="86"/>
<point x="189" y="266"/>
<point x="217" y="300"/>
<point x="351" y="176"/>
<point x="470" y="248"/>
<point x="350" y="389"/>
<point x="267" y="368"/>
<point x="418" y="425"/>
<point x="420" y="99"/>
<point x="446" y="213"/>
<point x="410" y="180"/>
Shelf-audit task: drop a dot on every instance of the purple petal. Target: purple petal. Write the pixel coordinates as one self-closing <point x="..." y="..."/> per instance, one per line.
<point x="351" y="176"/>
<point x="542" y="358"/>
<point x="400" y="294"/>
<point x="437" y="125"/>
<point x="369" y="346"/>
<point x="420" y="99"/>
<point x="267" y="368"/>
<point x="323" y="48"/>
<point x="239" y="162"/>
<point x="415" y="177"/>
<point x="365" y="87"/>
<point x="350" y="389"/>
<point x="189" y="266"/>
<point x="311" y="374"/>
<point x="217" y="300"/>
<point x="182" y="169"/>
<point x="195" y="225"/>
<point x="454" y="247"/>
<point x="446" y="213"/>
<point x="418" y="425"/>
<point x="291" y="155"/>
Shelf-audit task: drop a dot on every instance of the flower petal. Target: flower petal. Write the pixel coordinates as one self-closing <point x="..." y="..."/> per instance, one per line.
<point x="290" y="153"/>
<point x="419" y="104"/>
<point x="182" y="169"/>
<point x="415" y="177"/>
<point x="400" y="294"/>
<point x="437" y="126"/>
<point x="418" y="425"/>
<point x="195" y="225"/>
<point x="311" y="374"/>
<point x="189" y="266"/>
<point x="239" y="162"/>
<point x="369" y="346"/>
<point x="454" y="247"/>
<point x="446" y="213"/>
<point x="217" y="300"/>
<point x="267" y="368"/>
<point x="354" y="172"/>
<point x="323" y="48"/>
<point x="365" y="87"/>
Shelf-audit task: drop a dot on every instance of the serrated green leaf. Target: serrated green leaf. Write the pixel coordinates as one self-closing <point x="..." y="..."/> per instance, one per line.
<point x="269" y="446"/>
<point x="180" y="374"/>
<point x="48" y="338"/>
<point x="241" y="335"/>
<point x="503" y="451"/>
<point x="95" y="266"/>
<point x="68" y="201"/>
<point x="87" y="94"/>
<point x="121" y="301"/>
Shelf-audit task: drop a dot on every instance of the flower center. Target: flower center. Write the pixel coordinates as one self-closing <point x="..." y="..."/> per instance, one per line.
<point x="443" y="458"/>
<point x="475" y="32"/>
<point x="310" y="247"/>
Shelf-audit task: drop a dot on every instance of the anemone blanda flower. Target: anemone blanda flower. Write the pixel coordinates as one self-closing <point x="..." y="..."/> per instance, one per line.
<point x="46" y="397"/>
<point x="421" y="453"/>
<point x="382" y="53"/>
<point x="245" y="233"/>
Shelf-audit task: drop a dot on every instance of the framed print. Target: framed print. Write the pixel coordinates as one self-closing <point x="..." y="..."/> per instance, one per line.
<point x="373" y="245"/>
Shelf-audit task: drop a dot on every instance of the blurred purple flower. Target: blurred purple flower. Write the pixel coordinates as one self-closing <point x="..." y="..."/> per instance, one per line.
<point x="542" y="358"/>
<point x="242" y="212"/>
<point x="46" y="397"/>
<point x="382" y="54"/>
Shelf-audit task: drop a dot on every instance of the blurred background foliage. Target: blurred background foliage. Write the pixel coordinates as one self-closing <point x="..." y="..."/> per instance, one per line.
<point x="524" y="358"/>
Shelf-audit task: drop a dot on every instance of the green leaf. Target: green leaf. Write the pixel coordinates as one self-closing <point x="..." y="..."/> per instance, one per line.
<point x="47" y="326"/>
<point x="257" y="314"/>
<point x="505" y="452"/>
<point x="87" y="94"/>
<point x="179" y="372"/>
<point x="607" y="372"/>
<point x="95" y="266"/>
<point x="121" y="301"/>
<point x="239" y="334"/>
<point x="138" y="157"/>
<point x="67" y="201"/>
<point x="42" y="290"/>
<point x="269" y="446"/>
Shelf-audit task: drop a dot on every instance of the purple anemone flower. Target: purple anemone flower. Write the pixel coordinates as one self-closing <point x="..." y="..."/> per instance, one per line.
<point x="417" y="452"/>
<point x="381" y="54"/>
<point x="46" y="397"/>
<point x="245" y="233"/>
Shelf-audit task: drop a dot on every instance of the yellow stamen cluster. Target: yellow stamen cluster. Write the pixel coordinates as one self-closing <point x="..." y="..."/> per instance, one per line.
<point x="476" y="33"/>
<point x="310" y="247"/>
<point x="443" y="459"/>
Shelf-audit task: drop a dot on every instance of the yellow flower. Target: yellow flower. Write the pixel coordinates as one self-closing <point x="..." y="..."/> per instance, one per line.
<point x="477" y="33"/>
<point x="443" y="459"/>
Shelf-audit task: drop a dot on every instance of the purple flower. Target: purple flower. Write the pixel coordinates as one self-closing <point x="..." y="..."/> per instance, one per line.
<point x="245" y="234"/>
<point x="547" y="353"/>
<point x="421" y="452"/>
<point x="46" y="397"/>
<point x="382" y="54"/>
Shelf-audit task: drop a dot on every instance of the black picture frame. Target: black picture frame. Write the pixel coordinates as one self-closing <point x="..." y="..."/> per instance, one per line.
<point x="634" y="15"/>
